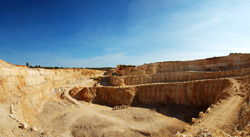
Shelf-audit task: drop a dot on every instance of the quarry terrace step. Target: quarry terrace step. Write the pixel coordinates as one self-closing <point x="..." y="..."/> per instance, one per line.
<point x="175" y="76"/>
<point x="199" y="93"/>
<point x="232" y="61"/>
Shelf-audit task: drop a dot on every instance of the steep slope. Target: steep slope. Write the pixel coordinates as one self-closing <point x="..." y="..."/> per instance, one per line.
<point x="24" y="91"/>
<point x="220" y="119"/>
<point x="200" y="93"/>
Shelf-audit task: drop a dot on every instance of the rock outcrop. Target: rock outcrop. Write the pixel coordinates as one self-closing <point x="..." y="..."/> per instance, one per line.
<point x="32" y="87"/>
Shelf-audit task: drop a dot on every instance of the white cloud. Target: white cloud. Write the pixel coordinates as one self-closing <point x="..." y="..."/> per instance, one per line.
<point x="98" y="61"/>
<point x="210" y="28"/>
<point x="112" y="60"/>
<point x="110" y="49"/>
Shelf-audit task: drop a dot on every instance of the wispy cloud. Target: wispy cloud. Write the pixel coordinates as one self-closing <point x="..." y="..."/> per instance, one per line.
<point x="112" y="60"/>
<point x="110" y="49"/>
<point x="157" y="30"/>
<point x="98" y="61"/>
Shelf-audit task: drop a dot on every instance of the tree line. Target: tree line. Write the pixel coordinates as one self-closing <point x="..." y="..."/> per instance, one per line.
<point x="56" y="67"/>
<point x="39" y="66"/>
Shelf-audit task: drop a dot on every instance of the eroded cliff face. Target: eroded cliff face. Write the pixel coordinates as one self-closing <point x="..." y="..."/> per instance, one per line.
<point x="244" y="114"/>
<point x="28" y="89"/>
<point x="200" y="93"/>
<point x="212" y="93"/>
<point x="105" y="95"/>
<point x="233" y="61"/>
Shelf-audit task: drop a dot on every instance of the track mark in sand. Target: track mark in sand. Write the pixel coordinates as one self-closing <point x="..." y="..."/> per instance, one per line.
<point x="120" y="124"/>
<point x="85" y="110"/>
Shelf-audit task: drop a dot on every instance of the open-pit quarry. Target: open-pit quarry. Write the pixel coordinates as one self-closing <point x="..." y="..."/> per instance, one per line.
<point x="205" y="97"/>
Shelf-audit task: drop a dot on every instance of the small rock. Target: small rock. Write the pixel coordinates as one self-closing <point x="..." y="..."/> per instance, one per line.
<point x="11" y="111"/>
<point x="178" y="134"/>
<point x="34" y="128"/>
<point x="203" y="133"/>
<point x="194" y="120"/>
<point x="24" y="126"/>
<point x="201" y="114"/>
<point x="186" y="128"/>
<point x="44" y="133"/>
<point x="208" y="110"/>
<point x="11" y="115"/>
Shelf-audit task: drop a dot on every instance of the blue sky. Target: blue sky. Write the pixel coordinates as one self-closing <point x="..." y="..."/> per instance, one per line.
<point x="103" y="33"/>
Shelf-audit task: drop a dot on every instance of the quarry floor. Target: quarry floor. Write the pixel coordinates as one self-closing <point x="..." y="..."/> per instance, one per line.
<point x="78" y="118"/>
<point x="69" y="117"/>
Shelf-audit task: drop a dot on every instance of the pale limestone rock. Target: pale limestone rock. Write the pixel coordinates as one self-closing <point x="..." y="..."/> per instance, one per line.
<point x="11" y="115"/>
<point x="203" y="133"/>
<point x="186" y="128"/>
<point x="24" y="125"/>
<point x="11" y="106"/>
<point x="194" y="120"/>
<point x="11" y="111"/>
<point x="208" y="110"/>
<point x="34" y="128"/>
<point x="201" y="114"/>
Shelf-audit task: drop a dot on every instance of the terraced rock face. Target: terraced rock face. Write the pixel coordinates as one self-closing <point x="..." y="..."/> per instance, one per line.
<point x="233" y="61"/>
<point x="175" y="76"/>
<point x="200" y="97"/>
<point x="200" y="93"/>
<point x="180" y="87"/>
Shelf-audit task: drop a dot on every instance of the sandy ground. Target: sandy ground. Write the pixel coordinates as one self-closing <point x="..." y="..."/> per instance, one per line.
<point x="61" y="118"/>
<point x="10" y="127"/>
<point x="223" y="117"/>
<point x="68" y="117"/>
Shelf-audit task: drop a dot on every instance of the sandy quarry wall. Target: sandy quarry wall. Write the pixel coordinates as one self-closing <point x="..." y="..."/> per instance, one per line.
<point x="200" y="93"/>
<point x="233" y="61"/>
<point x="174" y="76"/>
<point x="32" y="87"/>
<point x="244" y="117"/>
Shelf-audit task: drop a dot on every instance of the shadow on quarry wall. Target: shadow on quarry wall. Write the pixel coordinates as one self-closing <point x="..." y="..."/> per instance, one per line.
<point x="244" y="117"/>
<point x="181" y="112"/>
<point x="105" y="81"/>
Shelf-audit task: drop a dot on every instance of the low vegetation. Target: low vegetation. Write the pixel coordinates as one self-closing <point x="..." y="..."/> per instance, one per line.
<point x="56" y="67"/>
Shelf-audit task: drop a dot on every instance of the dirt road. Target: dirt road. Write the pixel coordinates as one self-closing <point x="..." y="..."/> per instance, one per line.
<point x="222" y="116"/>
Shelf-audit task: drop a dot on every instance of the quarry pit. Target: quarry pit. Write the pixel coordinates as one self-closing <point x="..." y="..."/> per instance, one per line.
<point x="174" y="98"/>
